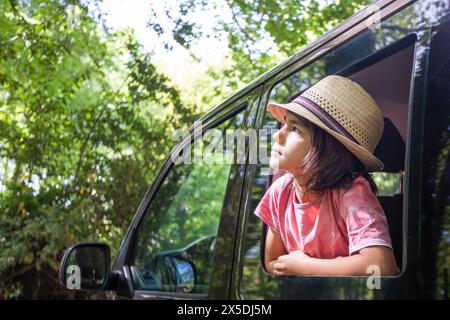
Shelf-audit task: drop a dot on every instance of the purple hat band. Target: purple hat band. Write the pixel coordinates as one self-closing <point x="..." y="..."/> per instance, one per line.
<point x="320" y="113"/>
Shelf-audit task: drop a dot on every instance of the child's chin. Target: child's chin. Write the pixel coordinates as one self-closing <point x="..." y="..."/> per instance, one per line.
<point x="275" y="164"/>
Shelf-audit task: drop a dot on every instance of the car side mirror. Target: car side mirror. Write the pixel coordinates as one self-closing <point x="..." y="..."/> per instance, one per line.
<point x="85" y="267"/>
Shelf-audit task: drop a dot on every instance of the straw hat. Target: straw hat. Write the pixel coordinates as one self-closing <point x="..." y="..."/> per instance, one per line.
<point x="345" y="110"/>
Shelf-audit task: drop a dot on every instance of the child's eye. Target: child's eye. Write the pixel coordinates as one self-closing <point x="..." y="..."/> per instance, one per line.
<point x="295" y="129"/>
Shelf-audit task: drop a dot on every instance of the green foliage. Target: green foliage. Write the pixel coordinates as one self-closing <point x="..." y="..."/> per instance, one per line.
<point x="82" y="136"/>
<point x="266" y="31"/>
<point x="260" y="34"/>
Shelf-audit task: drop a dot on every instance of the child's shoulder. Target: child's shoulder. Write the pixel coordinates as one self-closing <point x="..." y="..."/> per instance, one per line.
<point x="359" y="186"/>
<point x="282" y="181"/>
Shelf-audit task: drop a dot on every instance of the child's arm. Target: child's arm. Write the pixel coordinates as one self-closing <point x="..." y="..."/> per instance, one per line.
<point x="298" y="263"/>
<point x="274" y="248"/>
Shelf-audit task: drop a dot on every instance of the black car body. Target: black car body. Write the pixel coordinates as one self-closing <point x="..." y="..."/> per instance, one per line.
<point x="399" y="51"/>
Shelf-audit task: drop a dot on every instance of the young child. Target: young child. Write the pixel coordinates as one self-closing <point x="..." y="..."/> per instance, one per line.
<point x="323" y="215"/>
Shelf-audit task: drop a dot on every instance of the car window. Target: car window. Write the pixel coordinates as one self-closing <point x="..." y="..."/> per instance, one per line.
<point x="392" y="144"/>
<point x="388" y="77"/>
<point x="175" y="241"/>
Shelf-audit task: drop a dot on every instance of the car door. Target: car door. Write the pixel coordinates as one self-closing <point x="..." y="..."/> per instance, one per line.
<point x="180" y="243"/>
<point x="389" y="58"/>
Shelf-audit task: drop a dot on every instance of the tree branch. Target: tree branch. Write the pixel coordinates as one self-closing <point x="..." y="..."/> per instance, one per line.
<point x="247" y="36"/>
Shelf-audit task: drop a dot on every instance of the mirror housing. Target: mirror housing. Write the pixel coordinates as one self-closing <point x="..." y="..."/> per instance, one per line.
<point x="85" y="266"/>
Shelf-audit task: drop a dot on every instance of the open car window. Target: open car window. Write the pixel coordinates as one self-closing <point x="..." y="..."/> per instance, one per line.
<point x="391" y="67"/>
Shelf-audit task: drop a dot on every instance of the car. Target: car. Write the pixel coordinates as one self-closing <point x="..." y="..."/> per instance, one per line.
<point x="194" y="235"/>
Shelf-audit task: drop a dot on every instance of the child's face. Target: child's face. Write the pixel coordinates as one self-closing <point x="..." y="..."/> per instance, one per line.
<point x="292" y="144"/>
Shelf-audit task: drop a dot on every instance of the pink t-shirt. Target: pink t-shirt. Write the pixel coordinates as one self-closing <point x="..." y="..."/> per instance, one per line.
<point x="340" y="223"/>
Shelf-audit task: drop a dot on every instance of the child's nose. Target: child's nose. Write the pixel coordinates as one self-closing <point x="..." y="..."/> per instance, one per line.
<point x="278" y="136"/>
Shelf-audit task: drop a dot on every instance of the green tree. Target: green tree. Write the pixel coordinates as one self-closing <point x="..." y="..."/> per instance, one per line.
<point x="82" y="135"/>
<point x="261" y="33"/>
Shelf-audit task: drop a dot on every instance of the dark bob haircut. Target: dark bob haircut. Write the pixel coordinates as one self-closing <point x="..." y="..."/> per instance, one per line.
<point x="330" y="164"/>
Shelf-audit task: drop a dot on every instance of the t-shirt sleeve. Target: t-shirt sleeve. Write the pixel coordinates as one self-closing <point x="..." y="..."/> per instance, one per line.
<point x="364" y="217"/>
<point x="268" y="208"/>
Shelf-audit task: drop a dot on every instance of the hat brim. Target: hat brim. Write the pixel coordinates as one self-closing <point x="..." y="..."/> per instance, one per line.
<point x="279" y="111"/>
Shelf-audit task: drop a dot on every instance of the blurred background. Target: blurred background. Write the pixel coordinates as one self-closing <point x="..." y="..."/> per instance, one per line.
<point x="90" y="93"/>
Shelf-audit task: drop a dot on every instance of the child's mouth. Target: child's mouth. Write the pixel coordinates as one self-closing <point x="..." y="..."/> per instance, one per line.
<point x="276" y="152"/>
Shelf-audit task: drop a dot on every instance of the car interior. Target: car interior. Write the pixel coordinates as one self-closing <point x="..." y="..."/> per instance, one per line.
<point x="386" y="75"/>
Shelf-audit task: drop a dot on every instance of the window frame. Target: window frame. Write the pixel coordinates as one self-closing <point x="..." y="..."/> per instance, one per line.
<point x="379" y="55"/>
<point x="404" y="43"/>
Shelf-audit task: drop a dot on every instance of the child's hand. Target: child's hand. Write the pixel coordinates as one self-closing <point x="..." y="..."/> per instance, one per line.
<point x="290" y="264"/>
